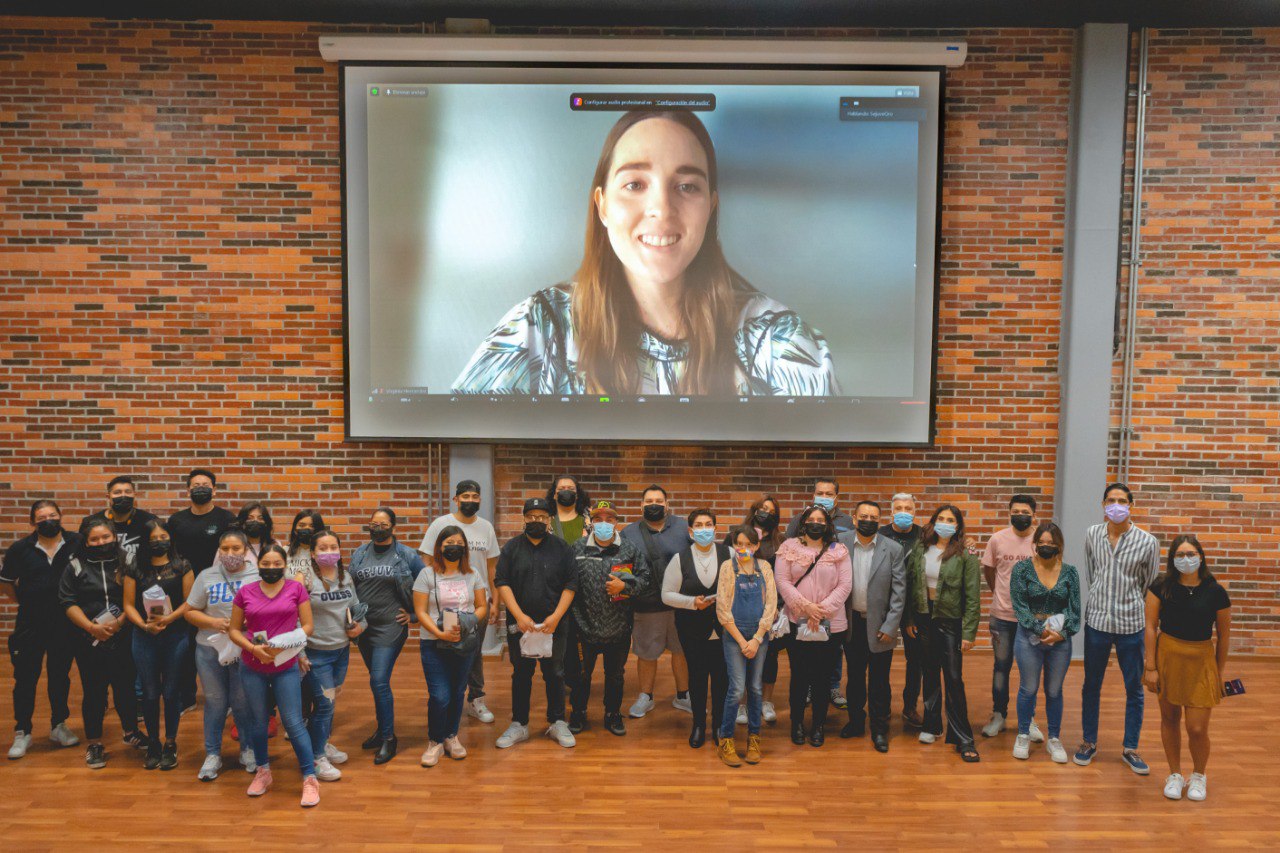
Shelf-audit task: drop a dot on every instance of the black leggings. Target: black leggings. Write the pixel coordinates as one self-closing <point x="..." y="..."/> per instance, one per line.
<point x="812" y="665"/>
<point x="107" y="665"/>
<point x="706" y="663"/>
<point x="943" y="663"/>
<point x="776" y="645"/>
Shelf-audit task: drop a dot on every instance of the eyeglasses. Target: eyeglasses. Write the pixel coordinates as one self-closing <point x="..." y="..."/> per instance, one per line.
<point x="370" y="528"/>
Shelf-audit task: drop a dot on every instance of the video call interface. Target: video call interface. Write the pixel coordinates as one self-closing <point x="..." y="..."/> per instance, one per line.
<point x="665" y="254"/>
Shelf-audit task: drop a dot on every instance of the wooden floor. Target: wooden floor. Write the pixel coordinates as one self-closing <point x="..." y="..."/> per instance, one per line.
<point x="649" y="790"/>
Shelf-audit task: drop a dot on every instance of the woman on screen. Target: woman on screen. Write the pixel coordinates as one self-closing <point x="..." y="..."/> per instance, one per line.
<point x="655" y="307"/>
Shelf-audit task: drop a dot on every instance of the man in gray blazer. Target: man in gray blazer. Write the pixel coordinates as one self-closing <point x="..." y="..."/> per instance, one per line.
<point x="875" y="609"/>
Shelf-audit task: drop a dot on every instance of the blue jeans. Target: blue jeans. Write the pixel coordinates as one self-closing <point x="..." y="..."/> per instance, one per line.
<point x="381" y="660"/>
<point x="447" y="674"/>
<point x="1130" y="650"/>
<point x="328" y="672"/>
<point x="222" y="690"/>
<point x="1003" y="633"/>
<point x="158" y="658"/>
<point x="1032" y="659"/>
<point x="745" y="676"/>
<point x="287" y="686"/>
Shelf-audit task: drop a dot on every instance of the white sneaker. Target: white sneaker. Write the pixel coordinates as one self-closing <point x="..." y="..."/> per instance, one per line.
<point x="994" y="726"/>
<point x="1057" y="752"/>
<point x="681" y="703"/>
<point x="643" y="705"/>
<point x="476" y="708"/>
<point x="431" y="756"/>
<point x="925" y="737"/>
<point x="1022" y="747"/>
<point x="770" y="713"/>
<point x="325" y="771"/>
<point x="1173" y="786"/>
<point x="335" y="755"/>
<point x="209" y="770"/>
<point x="247" y="761"/>
<point x="1037" y="736"/>
<point x="514" y="734"/>
<point x="21" y="743"/>
<point x="559" y="732"/>
<point x="454" y="748"/>
<point x="63" y="736"/>
<point x="742" y="715"/>
<point x="1198" y="787"/>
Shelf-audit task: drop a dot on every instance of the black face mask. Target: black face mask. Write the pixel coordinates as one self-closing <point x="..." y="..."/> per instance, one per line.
<point x="655" y="512"/>
<point x="201" y="495"/>
<point x="868" y="526"/>
<point x="815" y="530"/>
<point x="101" y="553"/>
<point x="1020" y="522"/>
<point x="468" y="508"/>
<point x="159" y="547"/>
<point x="49" y="527"/>
<point x="453" y="553"/>
<point x="767" y="520"/>
<point x="1047" y="552"/>
<point x="535" y="529"/>
<point x="270" y="576"/>
<point x="380" y="535"/>
<point x="303" y="536"/>
<point x="566" y="497"/>
<point x="122" y="505"/>
<point x="255" y="529"/>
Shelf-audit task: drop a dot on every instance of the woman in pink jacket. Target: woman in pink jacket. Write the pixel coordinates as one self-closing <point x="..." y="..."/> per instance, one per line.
<point x="814" y="577"/>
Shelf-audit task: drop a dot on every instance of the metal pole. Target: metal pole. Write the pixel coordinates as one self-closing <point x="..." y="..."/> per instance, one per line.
<point x="1135" y="266"/>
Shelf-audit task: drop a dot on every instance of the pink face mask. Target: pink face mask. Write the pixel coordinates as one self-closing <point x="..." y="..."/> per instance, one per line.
<point x="1116" y="513"/>
<point x="328" y="560"/>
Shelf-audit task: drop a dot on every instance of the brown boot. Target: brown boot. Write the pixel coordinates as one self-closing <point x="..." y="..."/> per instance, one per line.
<point x="753" y="750"/>
<point x="729" y="753"/>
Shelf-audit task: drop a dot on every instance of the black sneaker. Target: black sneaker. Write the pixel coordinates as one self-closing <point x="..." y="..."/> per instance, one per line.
<point x="169" y="756"/>
<point x="153" y="757"/>
<point x="577" y="722"/>
<point x="96" y="756"/>
<point x="135" y="739"/>
<point x="613" y="725"/>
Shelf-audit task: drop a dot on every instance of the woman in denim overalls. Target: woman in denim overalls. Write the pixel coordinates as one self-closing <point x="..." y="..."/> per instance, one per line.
<point x="746" y="604"/>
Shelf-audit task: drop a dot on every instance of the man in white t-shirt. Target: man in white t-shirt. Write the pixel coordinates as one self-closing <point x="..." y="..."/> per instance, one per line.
<point x="1005" y="549"/>
<point x="483" y="545"/>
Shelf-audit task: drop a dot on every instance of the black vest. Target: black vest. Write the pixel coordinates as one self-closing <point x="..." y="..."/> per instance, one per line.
<point x="698" y="623"/>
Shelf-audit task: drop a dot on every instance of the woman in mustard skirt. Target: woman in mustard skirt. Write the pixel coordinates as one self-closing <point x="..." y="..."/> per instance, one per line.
<point x="1184" y="667"/>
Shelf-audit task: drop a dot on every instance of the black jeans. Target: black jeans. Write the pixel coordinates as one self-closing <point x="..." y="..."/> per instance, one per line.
<point x="812" y="664"/>
<point x="29" y="647"/>
<point x="705" y="658"/>
<point x="913" y="649"/>
<point x="868" y="678"/>
<point x="615" y="665"/>
<point x="522" y="678"/>
<point x="776" y="645"/>
<point x="943" y="663"/>
<point x="107" y="665"/>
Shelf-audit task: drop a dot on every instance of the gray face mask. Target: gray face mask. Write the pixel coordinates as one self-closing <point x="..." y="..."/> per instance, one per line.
<point x="1188" y="565"/>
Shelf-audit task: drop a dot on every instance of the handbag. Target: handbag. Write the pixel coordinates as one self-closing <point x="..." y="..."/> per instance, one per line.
<point x="805" y="634"/>
<point x="781" y="626"/>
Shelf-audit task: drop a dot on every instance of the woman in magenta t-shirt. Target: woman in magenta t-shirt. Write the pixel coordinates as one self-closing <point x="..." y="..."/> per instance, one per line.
<point x="271" y="620"/>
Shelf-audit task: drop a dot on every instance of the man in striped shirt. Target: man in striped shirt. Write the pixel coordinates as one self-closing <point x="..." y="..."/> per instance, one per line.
<point x="1122" y="561"/>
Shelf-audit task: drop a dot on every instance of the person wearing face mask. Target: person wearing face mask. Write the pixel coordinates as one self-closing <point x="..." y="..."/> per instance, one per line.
<point x="384" y="570"/>
<point x="569" y="520"/>
<point x="1045" y="595"/>
<point x="91" y="595"/>
<point x="160" y="638"/>
<point x="902" y="528"/>
<point x="128" y="522"/>
<point x="610" y="570"/>
<point x="536" y="580"/>
<point x="943" y="605"/>
<point x="306" y="524"/>
<point x="660" y="536"/>
<point x="208" y="609"/>
<point x="689" y="584"/>
<point x="483" y="542"/>
<point x="814" y="576"/>
<point x="1183" y="666"/>
<point x="763" y="516"/>
<point x="255" y="520"/>
<point x="1004" y="549"/>
<point x="1121" y="561"/>
<point x="746" y="605"/>
<point x="33" y="567"/>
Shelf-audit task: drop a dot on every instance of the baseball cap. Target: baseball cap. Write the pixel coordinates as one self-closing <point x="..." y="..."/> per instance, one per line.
<point x="603" y="508"/>
<point x="537" y="503"/>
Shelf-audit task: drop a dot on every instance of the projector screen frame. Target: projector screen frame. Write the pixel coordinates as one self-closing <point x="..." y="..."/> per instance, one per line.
<point x="940" y="70"/>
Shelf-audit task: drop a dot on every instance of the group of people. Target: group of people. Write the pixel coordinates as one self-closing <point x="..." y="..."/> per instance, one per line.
<point x="273" y="618"/>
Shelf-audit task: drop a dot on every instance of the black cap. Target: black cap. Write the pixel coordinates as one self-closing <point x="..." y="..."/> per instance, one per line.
<point x="466" y="486"/>
<point x="537" y="503"/>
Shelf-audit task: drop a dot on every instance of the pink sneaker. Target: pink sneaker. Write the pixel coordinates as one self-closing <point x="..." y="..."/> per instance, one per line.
<point x="310" y="792"/>
<point x="261" y="782"/>
<point x="454" y="748"/>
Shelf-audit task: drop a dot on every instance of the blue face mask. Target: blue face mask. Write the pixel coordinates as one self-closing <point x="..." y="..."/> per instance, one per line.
<point x="603" y="530"/>
<point x="946" y="531"/>
<point x="704" y="535"/>
<point x="826" y="503"/>
<point x="903" y="520"/>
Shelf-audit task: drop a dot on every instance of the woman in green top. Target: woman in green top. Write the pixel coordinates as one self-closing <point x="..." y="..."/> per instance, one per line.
<point x="943" y="608"/>
<point x="570" y="500"/>
<point x="1046" y="601"/>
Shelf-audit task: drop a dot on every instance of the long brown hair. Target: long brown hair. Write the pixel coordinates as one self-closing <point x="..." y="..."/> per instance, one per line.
<point x="1170" y="580"/>
<point x="605" y="315"/>
<point x="930" y="537"/>
<point x="437" y="552"/>
<point x="776" y="535"/>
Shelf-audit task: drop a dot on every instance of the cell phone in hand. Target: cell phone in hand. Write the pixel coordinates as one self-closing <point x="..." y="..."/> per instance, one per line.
<point x="449" y="621"/>
<point x="1234" y="687"/>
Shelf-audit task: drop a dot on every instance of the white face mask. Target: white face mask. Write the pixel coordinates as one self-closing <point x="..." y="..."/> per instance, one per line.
<point x="1187" y="564"/>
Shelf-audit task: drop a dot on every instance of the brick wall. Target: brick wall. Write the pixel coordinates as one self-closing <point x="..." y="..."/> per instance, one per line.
<point x="169" y="255"/>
